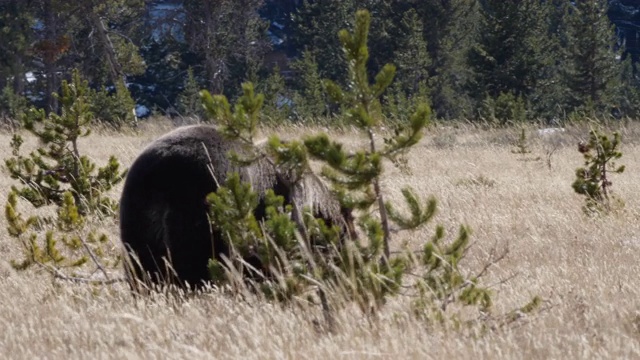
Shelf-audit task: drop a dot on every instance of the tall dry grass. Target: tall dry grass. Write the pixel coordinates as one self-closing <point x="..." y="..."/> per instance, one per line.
<point x="585" y="268"/>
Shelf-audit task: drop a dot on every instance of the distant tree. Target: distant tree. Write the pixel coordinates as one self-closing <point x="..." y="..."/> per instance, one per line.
<point x="55" y="36"/>
<point x="412" y="57"/>
<point x="627" y="96"/>
<point x="277" y="100"/>
<point x="228" y="36"/>
<point x="309" y="96"/>
<point x="16" y="25"/>
<point x="592" y="58"/>
<point x="314" y="29"/>
<point x="427" y="39"/>
<point x="52" y="45"/>
<point x="543" y="99"/>
<point x="188" y="102"/>
<point x="512" y="50"/>
<point x="168" y="61"/>
<point x="448" y="29"/>
<point x="105" y="31"/>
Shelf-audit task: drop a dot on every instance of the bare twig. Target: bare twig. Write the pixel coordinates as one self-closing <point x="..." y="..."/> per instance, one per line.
<point x="503" y="281"/>
<point x="94" y="258"/>
<point x="493" y="259"/>
<point x="83" y="280"/>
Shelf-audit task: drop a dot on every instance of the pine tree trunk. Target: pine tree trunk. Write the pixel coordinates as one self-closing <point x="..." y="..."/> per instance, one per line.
<point x="384" y="220"/>
<point x="49" y="57"/>
<point x="115" y="70"/>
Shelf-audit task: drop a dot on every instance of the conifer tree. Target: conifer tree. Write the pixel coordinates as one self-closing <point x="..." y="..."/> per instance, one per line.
<point x="363" y="103"/>
<point x="63" y="244"/>
<point x="413" y="61"/>
<point x="594" y="179"/>
<point x="107" y="29"/>
<point x="361" y="270"/>
<point x="96" y="37"/>
<point x="115" y="108"/>
<point x="412" y="58"/>
<point x="314" y="29"/>
<point x="309" y="96"/>
<point x="627" y="95"/>
<point x="12" y="105"/>
<point x="228" y="36"/>
<point x="592" y="64"/>
<point x="277" y="101"/>
<point x="58" y="174"/>
<point x="58" y="166"/>
<point x="189" y="100"/>
<point x="16" y="21"/>
<point x="449" y="30"/>
<point x="511" y="51"/>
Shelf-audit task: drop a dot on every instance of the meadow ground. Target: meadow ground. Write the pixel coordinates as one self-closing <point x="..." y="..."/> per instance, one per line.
<point x="586" y="269"/>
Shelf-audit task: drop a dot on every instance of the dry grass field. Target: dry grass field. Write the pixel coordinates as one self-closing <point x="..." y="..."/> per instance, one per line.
<point x="586" y="269"/>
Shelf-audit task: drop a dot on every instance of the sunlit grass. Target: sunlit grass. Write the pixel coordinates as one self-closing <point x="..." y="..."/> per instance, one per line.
<point x="585" y="268"/>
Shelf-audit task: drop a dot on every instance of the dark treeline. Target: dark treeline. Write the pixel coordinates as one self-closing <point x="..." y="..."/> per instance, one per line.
<point x="497" y="60"/>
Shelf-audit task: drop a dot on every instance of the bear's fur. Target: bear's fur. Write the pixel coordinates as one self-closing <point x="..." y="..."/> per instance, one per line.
<point x="163" y="211"/>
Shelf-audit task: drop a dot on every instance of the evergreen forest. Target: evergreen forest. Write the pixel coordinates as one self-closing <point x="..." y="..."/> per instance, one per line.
<point x="479" y="60"/>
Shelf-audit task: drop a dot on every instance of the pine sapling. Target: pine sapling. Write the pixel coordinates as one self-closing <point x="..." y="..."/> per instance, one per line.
<point x="189" y="100"/>
<point x="309" y="255"/>
<point x="356" y="178"/>
<point x="57" y="174"/>
<point x="292" y="247"/>
<point x="593" y="180"/>
<point x="57" y="166"/>
<point x="522" y="144"/>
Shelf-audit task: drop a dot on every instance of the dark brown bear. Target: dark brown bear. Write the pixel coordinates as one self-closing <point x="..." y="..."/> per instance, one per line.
<point x="163" y="211"/>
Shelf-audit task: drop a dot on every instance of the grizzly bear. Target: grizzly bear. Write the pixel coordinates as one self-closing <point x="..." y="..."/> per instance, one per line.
<point x="164" y="222"/>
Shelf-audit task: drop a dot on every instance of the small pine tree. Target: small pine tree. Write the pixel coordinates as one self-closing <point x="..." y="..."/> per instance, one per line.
<point x="309" y="98"/>
<point x="189" y="103"/>
<point x="57" y="174"/>
<point x="113" y="108"/>
<point x="356" y="178"/>
<point x="522" y="145"/>
<point x="58" y="166"/>
<point x="11" y="104"/>
<point x="593" y="180"/>
<point x="302" y="250"/>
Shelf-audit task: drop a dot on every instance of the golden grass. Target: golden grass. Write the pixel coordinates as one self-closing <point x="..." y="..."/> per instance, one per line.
<point x="585" y="268"/>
